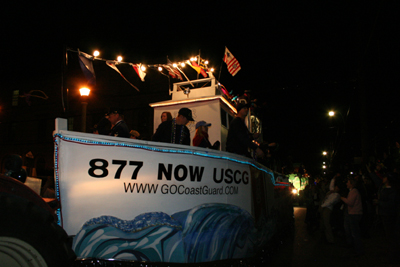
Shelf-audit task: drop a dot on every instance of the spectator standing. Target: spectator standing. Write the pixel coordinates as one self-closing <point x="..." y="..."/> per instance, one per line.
<point x="331" y="199"/>
<point x="312" y="202"/>
<point x="335" y="178"/>
<point x="352" y="217"/>
<point x="388" y="207"/>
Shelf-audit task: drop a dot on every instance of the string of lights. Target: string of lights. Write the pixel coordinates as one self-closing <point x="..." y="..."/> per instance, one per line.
<point x="197" y="60"/>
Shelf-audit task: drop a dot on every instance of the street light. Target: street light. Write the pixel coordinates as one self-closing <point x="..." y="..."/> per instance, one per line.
<point x="84" y="94"/>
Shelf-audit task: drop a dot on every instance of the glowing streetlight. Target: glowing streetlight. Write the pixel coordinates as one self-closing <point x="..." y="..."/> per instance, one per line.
<point x="324" y="153"/>
<point x="84" y="94"/>
<point x="84" y="91"/>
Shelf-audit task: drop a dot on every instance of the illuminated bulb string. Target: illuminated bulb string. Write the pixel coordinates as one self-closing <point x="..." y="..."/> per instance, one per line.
<point x="57" y="189"/>
<point x="96" y="55"/>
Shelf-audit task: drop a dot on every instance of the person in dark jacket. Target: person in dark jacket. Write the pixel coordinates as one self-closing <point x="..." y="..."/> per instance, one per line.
<point x="103" y="127"/>
<point x="239" y="139"/>
<point x="388" y="204"/>
<point x="118" y="125"/>
<point x="175" y="131"/>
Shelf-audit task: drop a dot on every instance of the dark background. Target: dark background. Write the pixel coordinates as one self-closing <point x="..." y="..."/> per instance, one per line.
<point x="299" y="59"/>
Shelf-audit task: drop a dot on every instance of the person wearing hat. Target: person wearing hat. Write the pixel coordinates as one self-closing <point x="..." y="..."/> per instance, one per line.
<point x="175" y="131"/>
<point x="201" y="136"/>
<point x="239" y="138"/>
<point x="118" y="125"/>
<point x="134" y="134"/>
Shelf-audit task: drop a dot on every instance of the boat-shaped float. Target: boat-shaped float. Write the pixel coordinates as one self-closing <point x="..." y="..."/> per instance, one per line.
<point x="133" y="200"/>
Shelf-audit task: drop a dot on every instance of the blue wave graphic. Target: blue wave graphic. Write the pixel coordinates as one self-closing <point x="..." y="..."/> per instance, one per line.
<point x="205" y="233"/>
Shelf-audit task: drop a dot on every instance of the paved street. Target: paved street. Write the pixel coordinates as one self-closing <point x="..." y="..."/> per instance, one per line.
<point x="312" y="250"/>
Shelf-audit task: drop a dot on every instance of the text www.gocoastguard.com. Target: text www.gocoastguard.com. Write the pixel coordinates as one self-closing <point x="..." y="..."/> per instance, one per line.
<point x="179" y="189"/>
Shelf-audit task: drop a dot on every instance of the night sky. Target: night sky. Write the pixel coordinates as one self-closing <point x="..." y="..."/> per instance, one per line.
<point x="299" y="59"/>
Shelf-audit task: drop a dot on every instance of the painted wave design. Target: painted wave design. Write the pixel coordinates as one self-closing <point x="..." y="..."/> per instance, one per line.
<point x="205" y="233"/>
<point x="217" y="231"/>
<point x="142" y="239"/>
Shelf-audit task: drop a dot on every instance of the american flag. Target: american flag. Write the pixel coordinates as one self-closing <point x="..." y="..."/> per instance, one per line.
<point x="231" y="62"/>
<point x="173" y="72"/>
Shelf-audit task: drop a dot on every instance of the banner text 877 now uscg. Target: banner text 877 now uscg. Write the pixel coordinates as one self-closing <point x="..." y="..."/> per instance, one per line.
<point x="99" y="169"/>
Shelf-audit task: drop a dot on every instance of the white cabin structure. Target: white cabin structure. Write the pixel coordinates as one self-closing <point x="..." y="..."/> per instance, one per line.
<point x="207" y="102"/>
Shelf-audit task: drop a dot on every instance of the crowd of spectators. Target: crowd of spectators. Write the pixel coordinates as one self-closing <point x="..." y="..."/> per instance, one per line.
<point x="369" y="200"/>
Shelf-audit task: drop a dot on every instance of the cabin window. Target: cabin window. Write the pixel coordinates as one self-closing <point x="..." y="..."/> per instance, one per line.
<point x="224" y="118"/>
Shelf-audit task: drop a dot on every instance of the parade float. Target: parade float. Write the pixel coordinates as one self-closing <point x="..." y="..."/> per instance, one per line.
<point x="132" y="200"/>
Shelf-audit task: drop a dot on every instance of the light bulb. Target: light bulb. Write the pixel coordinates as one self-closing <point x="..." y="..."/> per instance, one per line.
<point x="84" y="91"/>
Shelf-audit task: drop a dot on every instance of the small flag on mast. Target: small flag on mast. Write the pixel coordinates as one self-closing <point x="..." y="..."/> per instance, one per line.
<point x="197" y="68"/>
<point x="112" y="64"/>
<point x="174" y="73"/>
<point x="139" y="71"/>
<point x="231" y="62"/>
<point x="86" y="64"/>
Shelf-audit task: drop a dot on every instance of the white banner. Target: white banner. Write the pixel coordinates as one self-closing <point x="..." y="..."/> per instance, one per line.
<point x="125" y="180"/>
